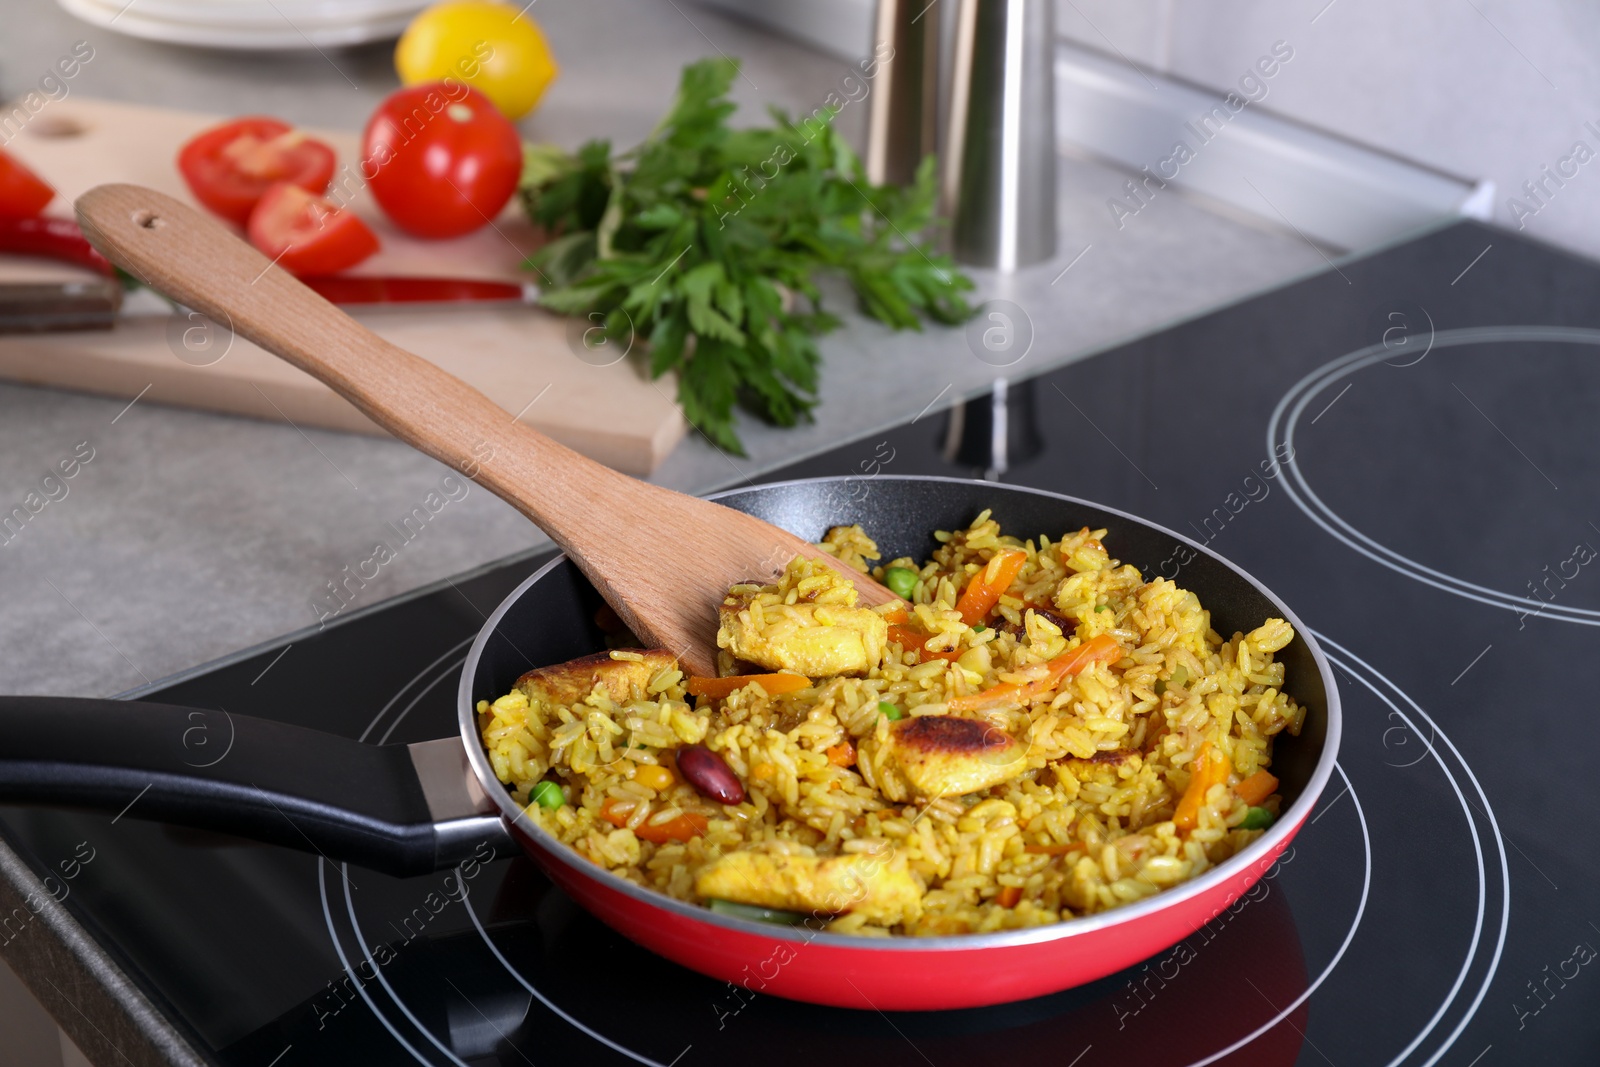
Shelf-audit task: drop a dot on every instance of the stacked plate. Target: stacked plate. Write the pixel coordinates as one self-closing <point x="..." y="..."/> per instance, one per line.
<point x="256" y="25"/>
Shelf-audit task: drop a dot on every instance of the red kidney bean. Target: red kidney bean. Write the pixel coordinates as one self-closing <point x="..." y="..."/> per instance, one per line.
<point x="704" y="769"/>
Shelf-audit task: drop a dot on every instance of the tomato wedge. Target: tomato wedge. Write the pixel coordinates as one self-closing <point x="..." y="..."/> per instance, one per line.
<point x="231" y="166"/>
<point x="307" y="234"/>
<point x="23" y="193"/>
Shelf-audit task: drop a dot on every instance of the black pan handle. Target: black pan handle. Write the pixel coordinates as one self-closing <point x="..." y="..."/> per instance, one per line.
<point x="400" y="809"/>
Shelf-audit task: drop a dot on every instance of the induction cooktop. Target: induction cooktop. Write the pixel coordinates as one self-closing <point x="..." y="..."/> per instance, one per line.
<point x="1402" y="446"/>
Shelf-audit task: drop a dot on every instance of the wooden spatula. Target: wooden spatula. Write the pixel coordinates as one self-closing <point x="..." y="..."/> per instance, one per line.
<point x="662" y="560"/>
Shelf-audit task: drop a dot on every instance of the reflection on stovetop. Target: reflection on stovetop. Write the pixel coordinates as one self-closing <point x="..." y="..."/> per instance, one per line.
<point x="1419" y="492"/>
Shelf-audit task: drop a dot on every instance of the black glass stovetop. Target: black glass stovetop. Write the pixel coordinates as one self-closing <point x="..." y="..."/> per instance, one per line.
<point x="1438" y="526"/>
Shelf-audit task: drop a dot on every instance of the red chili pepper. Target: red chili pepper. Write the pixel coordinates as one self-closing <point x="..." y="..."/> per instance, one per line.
<point x="58" y="239"/>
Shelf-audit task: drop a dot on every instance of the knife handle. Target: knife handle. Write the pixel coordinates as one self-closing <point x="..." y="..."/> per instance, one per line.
<point x="49" y="307"/>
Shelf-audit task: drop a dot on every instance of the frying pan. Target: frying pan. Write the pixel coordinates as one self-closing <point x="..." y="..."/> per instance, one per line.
<point x="413" y="809"/>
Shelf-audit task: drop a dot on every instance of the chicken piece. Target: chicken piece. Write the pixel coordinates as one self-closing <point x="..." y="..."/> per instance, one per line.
<point x="816" y="640"/>
<point x="1103" y="767"/>
<point x="569" y="683"/>
<point x="808" y="623"/>
<point x="941" y="755"/>
<point x="877" y="886"/>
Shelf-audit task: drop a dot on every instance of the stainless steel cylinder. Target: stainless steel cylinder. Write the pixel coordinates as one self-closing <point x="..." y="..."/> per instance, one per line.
<point x="902" y="122"/>
<point x="999" y="187"/>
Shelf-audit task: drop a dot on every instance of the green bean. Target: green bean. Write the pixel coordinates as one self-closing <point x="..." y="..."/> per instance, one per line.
<point x="756" y="914"/>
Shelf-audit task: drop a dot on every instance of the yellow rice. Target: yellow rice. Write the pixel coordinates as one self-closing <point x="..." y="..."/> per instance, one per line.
<point x="970" y="852"/>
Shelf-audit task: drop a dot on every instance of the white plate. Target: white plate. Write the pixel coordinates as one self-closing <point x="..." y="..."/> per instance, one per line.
<point x="279" y="14"/>
<point x="277" y="34"/>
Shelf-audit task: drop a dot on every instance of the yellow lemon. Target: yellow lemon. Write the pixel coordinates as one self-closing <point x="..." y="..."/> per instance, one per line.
<point x="491" y="46"/>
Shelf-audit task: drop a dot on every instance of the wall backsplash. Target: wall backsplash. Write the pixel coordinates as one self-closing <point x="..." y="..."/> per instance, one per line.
<point x="1496" y="89"/>
<point x="1485" y="89"/>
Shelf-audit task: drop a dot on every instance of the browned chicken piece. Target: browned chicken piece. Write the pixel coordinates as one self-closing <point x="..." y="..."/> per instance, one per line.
<point x="877" y="886"/>
<point x="1103" y="767"/>
<point x="941" y="755"/>
<point x="570" y="682"/>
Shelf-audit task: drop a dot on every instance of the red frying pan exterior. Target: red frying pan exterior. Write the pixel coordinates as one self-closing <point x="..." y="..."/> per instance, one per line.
<point x="851" y="972"/>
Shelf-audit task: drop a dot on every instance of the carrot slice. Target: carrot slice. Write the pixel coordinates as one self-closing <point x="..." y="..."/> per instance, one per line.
<point x="1211" y="768"/>
<point x="774" y="684"/>
<point x="917" y="641"/>
<point x="896" y="615"/>
<point x="689" y="824"/>
<point x="1101" y="649"/>
<point x="986" y="587"/>
<point x="842" y="755"/>
<point x="1008" y="896"/>
<point x="1006" y="692"/>
<point x="1256" y="788"/>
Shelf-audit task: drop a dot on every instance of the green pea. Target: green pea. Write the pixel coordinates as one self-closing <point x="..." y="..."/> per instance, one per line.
<point x="978" y="627"/>
<point x="1180" y="676"/>
<point x="549" y="795"/>
<point x="889" y="711"/>
<point x="1103" y="607"/>
<point x="902" y="581"/>
<point x="758" y="914"/>
<point x="1256" y="819"/>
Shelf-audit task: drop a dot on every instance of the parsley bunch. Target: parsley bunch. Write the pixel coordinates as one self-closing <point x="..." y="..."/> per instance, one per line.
<point x="705" y="242"/>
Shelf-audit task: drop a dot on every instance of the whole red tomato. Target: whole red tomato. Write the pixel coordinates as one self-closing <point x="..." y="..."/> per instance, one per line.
<point x="442" y="161"/>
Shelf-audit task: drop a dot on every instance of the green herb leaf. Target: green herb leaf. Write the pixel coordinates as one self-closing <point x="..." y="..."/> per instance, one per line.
<point x="707" y="242"/>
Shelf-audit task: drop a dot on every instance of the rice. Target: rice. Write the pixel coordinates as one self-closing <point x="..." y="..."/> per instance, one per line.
<point x="1099" y="763"/>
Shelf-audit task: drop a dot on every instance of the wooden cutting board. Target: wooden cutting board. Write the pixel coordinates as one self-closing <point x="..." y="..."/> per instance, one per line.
<point x="523" y="358"/>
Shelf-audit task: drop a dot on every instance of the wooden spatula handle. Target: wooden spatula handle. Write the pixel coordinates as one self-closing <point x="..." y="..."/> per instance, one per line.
<point x="194" y="259"/>
<point x="663" y="560"/>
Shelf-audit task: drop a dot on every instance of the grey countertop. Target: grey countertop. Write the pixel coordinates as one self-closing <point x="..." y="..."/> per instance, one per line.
<point x="189" y="535"/>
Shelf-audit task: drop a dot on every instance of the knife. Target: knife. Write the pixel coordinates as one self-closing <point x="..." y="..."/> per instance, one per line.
<point x="383" y="289"/>
<point x="32" y="307"/>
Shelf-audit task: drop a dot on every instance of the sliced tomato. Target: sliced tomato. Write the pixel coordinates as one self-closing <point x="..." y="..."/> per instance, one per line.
<point x="443" y="160"/>
<point x="230" y="166"/>
<point x="23" y="193"/>
<point x="308" y="234"/>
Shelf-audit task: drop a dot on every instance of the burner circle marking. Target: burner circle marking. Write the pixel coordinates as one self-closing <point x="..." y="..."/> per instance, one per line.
<point x="383" y="980"/>
<point x="1494" y="826"/>
<point x="1361" y="911"/>
<point x="1286" y="417"/>
<point x="415" y="678"/>
<point x="344" y="961"/>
